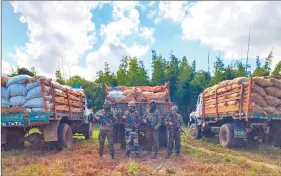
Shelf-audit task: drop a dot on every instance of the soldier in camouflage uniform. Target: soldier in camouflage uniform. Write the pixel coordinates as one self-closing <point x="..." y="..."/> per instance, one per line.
<point x="106" y="117"/>
<point x="153" y="120"/>
<point x="174" y="121"/>
<point x="132" y="119"/>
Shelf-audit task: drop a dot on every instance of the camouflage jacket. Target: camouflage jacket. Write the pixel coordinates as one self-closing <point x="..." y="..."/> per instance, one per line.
<point x="153" y="119"/>
<point x="135" y="117"/>
<point x="176" y="120"/>
<point x="106" y="119"/>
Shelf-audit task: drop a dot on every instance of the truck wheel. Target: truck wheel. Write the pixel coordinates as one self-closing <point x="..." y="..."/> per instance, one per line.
<point x="89" y="132"/>
<point x="226" y="135"/>
<point x="15" y="139"/>
<point x="195" y="131"/>
<point x="65" y="136"/>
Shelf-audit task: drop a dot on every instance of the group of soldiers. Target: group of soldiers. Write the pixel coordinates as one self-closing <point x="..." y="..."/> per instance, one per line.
<point x="152" y="120"/>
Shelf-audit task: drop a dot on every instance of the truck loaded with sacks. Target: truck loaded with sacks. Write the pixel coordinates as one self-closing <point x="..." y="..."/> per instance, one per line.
<point x="120" y="96"/>
<point x="240" y="110"/>
<point x="56" y="112"/>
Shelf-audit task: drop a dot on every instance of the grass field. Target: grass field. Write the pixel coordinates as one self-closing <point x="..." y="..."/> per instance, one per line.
<point x="199" y="157"/>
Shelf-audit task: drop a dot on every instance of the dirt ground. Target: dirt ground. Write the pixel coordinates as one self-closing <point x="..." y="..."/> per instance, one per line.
<point x="200" y="157"/>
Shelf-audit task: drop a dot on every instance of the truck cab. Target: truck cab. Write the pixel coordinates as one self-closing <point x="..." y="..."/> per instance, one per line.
<point x="196" y="115"/>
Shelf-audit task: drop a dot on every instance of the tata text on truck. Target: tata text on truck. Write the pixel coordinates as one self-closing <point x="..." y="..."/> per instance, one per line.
<point x="243" y="109"/>
<point x="63" y="114"/>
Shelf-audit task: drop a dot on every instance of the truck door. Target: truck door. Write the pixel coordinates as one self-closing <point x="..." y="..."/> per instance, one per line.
<point x="199" y="105"/>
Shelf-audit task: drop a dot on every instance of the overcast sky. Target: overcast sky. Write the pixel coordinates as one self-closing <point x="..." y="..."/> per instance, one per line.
<point x="85" y="34"/>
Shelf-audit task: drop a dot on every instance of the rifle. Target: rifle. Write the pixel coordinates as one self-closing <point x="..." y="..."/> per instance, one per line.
<point x="131" y="121"/>
<point x="103" y="119"/>
<point x="177" y="126"/>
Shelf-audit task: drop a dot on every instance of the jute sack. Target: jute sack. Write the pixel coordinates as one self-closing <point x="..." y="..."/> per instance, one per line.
<point x="240" y="80"/>
<point x="276" y="82"/>
<point x="272" y="101"/>
<point x="256" y="108"/>
<point x="16" y="109"/>
<point x="258" y="100"/>
<point x="128" y="98"/>
<point x="263" y="82"/>
<point x="4" y="110"/>
<point x="4" y="80"/>
<point x="129" y="92"/>
<point x="271" y="110"/>
<point x="159" y="96"/>
<point x="147" y="94"/>
<point x="259" y="90"/>
<point x="279" y="109"/>
<point x="273" y="91"/>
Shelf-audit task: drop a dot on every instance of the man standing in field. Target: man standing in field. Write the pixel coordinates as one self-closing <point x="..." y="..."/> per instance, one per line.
<point x="153" y="120"/>
<point x="132" y="119"/>
<point x="174" y="122"/>
<point x="107" y="119"/>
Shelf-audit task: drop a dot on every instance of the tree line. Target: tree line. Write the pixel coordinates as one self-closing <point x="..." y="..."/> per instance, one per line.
<point x="185" y="83"/>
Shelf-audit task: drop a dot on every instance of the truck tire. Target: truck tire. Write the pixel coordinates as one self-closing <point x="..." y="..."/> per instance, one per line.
<point x="65" y="136"/>
<point x="14" y="139"/>
<point x="195" y="131"/>
<point x="226" y="135"/>
<point x="89" y="132"/>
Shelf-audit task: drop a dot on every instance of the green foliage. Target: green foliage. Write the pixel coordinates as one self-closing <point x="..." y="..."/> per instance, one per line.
<point x="266" y="69"/>
<point x="59" y="77"/>
<point x="137" y="74"/>
<point x="277" y="70"/>
<point x="24" y="71"/>
<point x="94" y="91"/>
<point x="122" y="72"/>
<point x="133" y="169"/>
<point x="105" y="76"/>
<point x="159" y="66"/>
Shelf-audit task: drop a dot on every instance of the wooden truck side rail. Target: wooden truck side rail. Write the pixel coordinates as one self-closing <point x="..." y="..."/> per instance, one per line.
<point x="216" y="105"/>
<point x="66" y="102"/>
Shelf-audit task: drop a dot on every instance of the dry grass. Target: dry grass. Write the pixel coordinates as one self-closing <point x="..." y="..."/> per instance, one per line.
<point x="83" y="160"/>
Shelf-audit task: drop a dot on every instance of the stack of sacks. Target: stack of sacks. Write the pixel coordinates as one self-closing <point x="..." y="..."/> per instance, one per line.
<point x="34" y="96"/>
<point x="4" y="97"/>
<point x="137" y="94"/>
<point x="17" y="89"/>
<point x="265" y="96"/>
<point x="268" y="92"/>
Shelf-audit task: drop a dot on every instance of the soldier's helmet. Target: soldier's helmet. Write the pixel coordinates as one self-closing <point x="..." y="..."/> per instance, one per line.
<point x="132" y="104"/>
<point x="174" y="108"/>
<point x="107" y="104"/>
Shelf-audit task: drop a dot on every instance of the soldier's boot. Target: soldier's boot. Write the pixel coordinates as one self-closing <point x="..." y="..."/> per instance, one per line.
<point x="168" y="156"/>
<point x="137" y="154"/>
<point x="100" y="154"/>
<point x="177" y="154"/>
<point x="155" y="156"/>
<point x="128" y="154"/>
<point x="112" y="156"/>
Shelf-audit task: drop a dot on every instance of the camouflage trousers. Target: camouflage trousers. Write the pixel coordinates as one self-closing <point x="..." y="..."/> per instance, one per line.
<point x="174" y="138"/>
<point x="152" y="139"/>
<point x="130" y="135"/>
<point x="102" y="135"/>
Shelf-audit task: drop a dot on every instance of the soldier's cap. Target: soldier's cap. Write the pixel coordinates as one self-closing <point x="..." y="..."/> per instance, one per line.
<point x="174" y="108"/>
<point x="152" y="102"/>
<point x="131" y="104"/>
